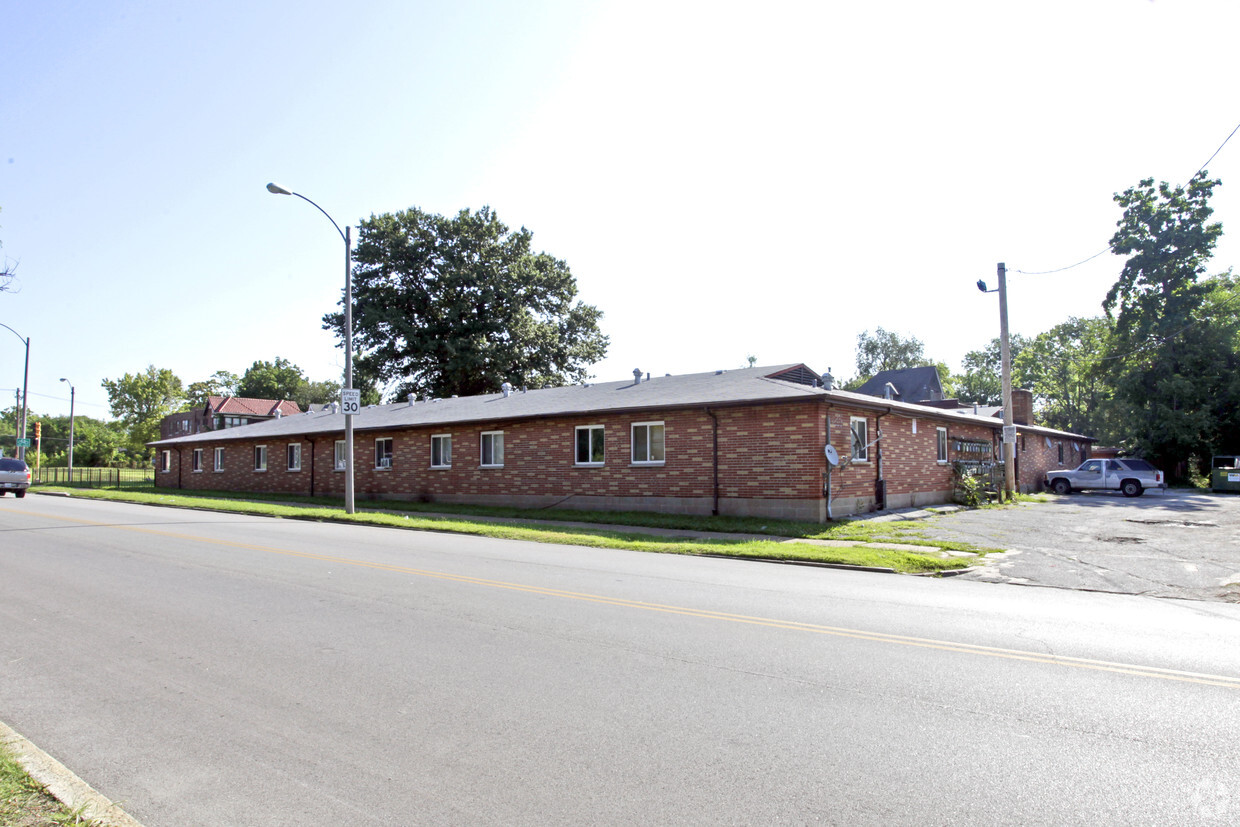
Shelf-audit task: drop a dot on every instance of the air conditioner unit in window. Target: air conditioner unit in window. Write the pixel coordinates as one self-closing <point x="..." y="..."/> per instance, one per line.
<point x="386" y="462"/>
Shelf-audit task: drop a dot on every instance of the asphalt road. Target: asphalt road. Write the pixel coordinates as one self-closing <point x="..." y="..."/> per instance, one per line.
<point x="1176" y="543"/>
<point x="211" y="669"/>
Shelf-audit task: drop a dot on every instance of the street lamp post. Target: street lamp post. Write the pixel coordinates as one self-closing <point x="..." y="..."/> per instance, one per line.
<point x="72" y="395"/>
<point x="25" y="409"/>
<point x="348" y="341"/>
<point x="1009" y="429"/>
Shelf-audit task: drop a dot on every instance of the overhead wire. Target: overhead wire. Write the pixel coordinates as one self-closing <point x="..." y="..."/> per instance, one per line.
<point x="1107" y="249"/>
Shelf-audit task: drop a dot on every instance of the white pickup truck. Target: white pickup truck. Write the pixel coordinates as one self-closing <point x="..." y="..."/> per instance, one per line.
<point x="14" y="476"/>
<point x="1129" y="475"/>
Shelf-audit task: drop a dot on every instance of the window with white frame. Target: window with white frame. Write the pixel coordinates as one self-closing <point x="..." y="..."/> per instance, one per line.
<point x="383" y="452"/>
<point x="491" y="450"/>
<point x="942" y="437"/>
<point x="219" y="459"/>
<point x="165" y="461"/>
<point x="647" y="443"/>
<point x="860" y="428"/>
<point x="260" y="457"/>
<point x="589" y="445"/>
<point x="197" y="461"/>
<point x="294" y="456"/>
<point x="340" y="457"/>
<point x="441" y="451"/>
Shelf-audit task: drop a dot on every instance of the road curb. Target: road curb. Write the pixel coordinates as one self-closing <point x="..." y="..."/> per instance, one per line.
<point x="63" y="783"/>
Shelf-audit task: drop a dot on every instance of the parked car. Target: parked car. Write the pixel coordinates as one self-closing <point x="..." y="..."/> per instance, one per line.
<point x="14" y="476"/>
<point x="1129" y="475"/>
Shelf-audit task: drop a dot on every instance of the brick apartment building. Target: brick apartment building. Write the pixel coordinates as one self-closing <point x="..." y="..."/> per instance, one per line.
<point x="741" y="442"/>
<point x="224" y="412"/>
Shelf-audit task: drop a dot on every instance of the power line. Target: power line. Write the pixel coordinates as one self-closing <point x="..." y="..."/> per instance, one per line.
<point x="1216" y="152"/>
<point x="1100" y="252"/>
<point x="1061" y="269"/>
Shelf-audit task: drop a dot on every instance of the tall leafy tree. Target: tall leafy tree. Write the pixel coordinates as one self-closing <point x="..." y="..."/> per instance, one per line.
<point x="883" y="350"/>
<point x="1066" y="370"/>
<point x="981" y="382"/>
<point x="460" y="305"/>
<point x="280" y="379"/>
<point x="141" y="400"/>
<point x="220" y="383"/>
<point x="1171" y="355"/>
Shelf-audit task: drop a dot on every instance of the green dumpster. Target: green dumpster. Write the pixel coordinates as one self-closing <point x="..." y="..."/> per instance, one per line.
<point x="1225" y="474"/>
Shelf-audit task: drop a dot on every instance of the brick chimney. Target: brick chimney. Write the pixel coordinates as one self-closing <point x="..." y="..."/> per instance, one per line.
<point x="1022" y="406"/>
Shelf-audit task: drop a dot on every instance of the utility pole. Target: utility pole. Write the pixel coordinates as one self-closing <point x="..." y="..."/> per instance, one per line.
<point x="1009" y="428"/>
<point x="1005" y="350"/>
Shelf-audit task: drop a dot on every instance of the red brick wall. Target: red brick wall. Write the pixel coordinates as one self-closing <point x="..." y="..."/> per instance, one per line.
<point x="767" y="453"/>
<point x="1034" y="458"/>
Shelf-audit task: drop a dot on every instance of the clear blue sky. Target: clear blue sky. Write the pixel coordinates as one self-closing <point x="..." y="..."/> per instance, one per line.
<point x="724" y="179"/>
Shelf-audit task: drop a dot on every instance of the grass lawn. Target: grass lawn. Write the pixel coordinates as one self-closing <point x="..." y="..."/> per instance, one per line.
<point x="519" y="524"/>
<point x="24" y="802"/>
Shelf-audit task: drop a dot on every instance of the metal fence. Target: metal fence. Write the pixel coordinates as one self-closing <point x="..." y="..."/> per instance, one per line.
<point x="97" y="477"/>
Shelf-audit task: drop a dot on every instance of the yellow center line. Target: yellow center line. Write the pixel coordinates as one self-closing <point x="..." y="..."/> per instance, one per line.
<point x="708" y="614"/>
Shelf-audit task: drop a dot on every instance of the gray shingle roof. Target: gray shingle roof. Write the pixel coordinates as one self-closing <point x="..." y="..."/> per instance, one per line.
<point x="741" y="386"/>
<point x="912" y="384"/>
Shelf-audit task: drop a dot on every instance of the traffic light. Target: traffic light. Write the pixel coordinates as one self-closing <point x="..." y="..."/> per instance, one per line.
<point x="38" y="430"/>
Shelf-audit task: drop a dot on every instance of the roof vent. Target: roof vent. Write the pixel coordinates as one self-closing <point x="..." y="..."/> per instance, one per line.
<point x="828" y="381"/>
<point x="279" y="413"/>
<point x="506" y="389"/>
<point x="720" y="372"/>
<point x="637" y="376"/>
<point x="413" y="397"/>
<point x="889" y="391"/>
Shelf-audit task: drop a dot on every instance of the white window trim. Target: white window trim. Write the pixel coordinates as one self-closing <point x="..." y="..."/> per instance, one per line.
<point x="940" y="441"/>
<point x="448" y="464"/>
<point x="219" y="460"/>
<point x="384" y="464"/>
<point x="482" y="438"/>
<point x="165" y="461"/>
<point x="340" y="458"/>
<point x="577" y="430"/>
<point x="196" y="463"/>
<point x="263" y="468"/>
<point x="296" y="467"/>
<point x="866" y="440"/>
<point x="633" y="443"/>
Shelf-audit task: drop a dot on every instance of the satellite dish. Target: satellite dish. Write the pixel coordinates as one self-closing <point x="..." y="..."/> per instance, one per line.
<point x="833" y="456"/>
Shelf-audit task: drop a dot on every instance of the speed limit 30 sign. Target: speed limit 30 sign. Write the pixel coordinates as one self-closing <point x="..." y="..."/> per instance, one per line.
<point x="350" y="400"/>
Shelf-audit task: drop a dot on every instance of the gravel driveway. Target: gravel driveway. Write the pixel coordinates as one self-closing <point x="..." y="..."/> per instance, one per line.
<point x="1174" y="544"/>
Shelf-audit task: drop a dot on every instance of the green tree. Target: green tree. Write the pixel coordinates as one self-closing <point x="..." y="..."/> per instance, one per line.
<point x="1065" y="369"/>
<point x="141" y="400"/>
<point x="280" y="379"/>
<point x="1172" y="354"/>
<point x="318" y="393"/>
<point x="981" y="382"/>
<point x="460" y="305"/>
<point x="220" y="383"/>
<point x="883" y="350"/>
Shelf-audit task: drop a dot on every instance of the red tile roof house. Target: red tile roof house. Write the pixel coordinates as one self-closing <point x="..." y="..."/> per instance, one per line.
<point x="224" y="412"/>
<point x="740" y="442"/>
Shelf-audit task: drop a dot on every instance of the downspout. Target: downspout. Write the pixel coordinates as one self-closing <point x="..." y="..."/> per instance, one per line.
<point x="830" y="516"/>
<point x="880" y="484"/>
<point x="311" y="441"/>
<point x="714" y="511"/>
<point x="178" y="450"/>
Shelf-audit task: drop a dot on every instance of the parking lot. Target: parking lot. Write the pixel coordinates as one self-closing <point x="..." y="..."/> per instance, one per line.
<point x="1172" y="544"/>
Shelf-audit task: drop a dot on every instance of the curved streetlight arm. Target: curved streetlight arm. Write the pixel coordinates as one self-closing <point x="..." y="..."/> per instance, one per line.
<point x="348" y="340"/>
<point x="279" y="190"/>
<point x="24" y="413"/>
